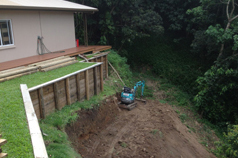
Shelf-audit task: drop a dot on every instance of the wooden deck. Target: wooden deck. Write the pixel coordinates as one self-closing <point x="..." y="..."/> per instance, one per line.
<point x="37" y="58"/>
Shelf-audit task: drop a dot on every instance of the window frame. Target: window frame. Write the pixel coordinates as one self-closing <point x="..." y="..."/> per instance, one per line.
<point x="11" y="33"/>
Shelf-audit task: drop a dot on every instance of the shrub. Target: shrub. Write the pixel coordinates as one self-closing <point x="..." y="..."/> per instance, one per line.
<point x="217" y="97"/>
<point x="229" y="147"/>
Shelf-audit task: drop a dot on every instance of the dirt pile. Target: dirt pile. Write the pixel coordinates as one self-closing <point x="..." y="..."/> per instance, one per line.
<point x="153" y="130"/>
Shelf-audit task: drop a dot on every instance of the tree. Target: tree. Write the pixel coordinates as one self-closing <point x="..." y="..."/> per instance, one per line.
<point x="216" y="99"/>
<point x="230" y="18"/>
<point x="214" y="24"/>
<point x="122" y="21"/>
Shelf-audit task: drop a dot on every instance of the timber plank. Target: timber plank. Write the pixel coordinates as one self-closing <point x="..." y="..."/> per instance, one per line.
<point x="41" y="103"/>
<point x="52" y="63"/>
<point x="3" y="141"/>
<point x="17" y="75"/>
<point x="56" y="94"/>
<point x="67" y="87"/>
<point x="35" y="133"/>
<point x="2" y="155"/>
<point x="101" y="77"/>
<point x="106" y="66"/>
<point x="95" y="81"/>
<point x="46" y="61"/>
<point x="59" y="65"/>
<point x="18" y="71"/>
<point x="78" y="86"/>
<point x="101" y="59"/>
<point x="87" y="84"/>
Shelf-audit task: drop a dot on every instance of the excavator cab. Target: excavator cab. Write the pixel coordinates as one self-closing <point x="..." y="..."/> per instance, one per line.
<point x="127" y="90"/>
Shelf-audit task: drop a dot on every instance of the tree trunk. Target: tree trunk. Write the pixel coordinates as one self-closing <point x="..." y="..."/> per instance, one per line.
<point x="222" y="45"/>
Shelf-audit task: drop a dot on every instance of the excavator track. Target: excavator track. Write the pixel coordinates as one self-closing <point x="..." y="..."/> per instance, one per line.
<point x="128" y="107"/>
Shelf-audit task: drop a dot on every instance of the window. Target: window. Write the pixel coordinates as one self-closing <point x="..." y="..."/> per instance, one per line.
<point x="5" y="33"/>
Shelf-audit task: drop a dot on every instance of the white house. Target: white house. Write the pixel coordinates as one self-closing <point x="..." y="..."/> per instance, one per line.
<point x="23" y="21"/>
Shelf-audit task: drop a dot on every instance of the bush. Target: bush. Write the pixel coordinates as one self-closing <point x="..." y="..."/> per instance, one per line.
<point x="217" y="97"/>
<point x="228" y="148"/>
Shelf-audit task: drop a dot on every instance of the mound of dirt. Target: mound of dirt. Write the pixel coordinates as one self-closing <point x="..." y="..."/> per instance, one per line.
<point x="153" y="130"/>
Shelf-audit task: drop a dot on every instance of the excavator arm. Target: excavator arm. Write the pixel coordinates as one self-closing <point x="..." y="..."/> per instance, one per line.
<point x="140" y="83"/>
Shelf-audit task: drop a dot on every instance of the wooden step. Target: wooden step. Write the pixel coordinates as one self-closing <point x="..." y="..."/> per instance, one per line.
<point x="3" y="141"/>
<point x="3" y="155"/>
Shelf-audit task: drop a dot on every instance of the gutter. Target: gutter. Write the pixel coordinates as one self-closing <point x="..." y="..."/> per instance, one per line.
<point x="6" y="7"/>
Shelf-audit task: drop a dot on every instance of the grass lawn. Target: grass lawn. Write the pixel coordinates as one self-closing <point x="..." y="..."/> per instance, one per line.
<point x="13" y="125"/>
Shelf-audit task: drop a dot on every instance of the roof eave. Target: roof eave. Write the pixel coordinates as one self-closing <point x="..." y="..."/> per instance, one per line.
<point x="48" y="8"/>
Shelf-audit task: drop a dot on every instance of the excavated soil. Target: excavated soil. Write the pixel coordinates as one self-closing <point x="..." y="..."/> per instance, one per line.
<point x="151" y="130"/>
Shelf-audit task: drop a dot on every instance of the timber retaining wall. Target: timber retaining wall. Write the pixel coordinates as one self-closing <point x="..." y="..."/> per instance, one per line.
<point x="77" y="86"/>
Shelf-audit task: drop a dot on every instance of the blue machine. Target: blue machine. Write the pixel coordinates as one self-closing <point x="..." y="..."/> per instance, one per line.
<point x="128" y="95"/>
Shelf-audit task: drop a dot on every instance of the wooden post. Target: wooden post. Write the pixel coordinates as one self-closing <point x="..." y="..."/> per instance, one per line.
<point x="101" y="58"/>
<point x="67" y="87"/>
<point x="41" y="103"/>
<point x="95" y="81"/>
<point x="85" y="30"/>
<point x="56" y="93"/>
<point x="106" y="66"/>
<point x="101" y="77"/>
<point x="87" y="85"/>
<point x="78" y="85"/>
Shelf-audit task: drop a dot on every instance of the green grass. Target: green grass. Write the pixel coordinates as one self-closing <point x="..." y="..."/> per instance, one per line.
<point x="183" y="117"/>
<point x="154" y="131"/>
<point x="124" y="145"/>
<point x="90" y="56"/>
<point x="13" y="124"/>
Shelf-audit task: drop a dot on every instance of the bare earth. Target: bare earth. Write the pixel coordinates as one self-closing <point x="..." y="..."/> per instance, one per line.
<point x="153" y="130"/>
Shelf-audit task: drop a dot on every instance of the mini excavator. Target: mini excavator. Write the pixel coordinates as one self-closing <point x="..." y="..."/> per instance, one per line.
<point x="128" y="96"/>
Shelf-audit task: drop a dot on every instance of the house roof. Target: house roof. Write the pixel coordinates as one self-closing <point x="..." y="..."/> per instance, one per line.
<point x="45" y="5"/>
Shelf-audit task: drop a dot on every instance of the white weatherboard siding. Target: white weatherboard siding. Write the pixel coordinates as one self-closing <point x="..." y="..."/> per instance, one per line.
<point x="57" y="30"/>
<point x="45" y="4"/>
<point x="56" y="27"/>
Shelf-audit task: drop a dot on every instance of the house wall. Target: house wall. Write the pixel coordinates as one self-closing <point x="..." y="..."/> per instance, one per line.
<point x="56" y="28"/>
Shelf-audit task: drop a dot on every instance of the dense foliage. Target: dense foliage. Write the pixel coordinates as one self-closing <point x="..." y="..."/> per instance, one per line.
<point x="218" y="88"/>
<point x="229" y="147"/>
<point x="216" y="39"/>
<point x="119" y="22"/>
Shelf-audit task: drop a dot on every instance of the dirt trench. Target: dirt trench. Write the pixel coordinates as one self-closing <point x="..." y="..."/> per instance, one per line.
<point x="153" y="130"/>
